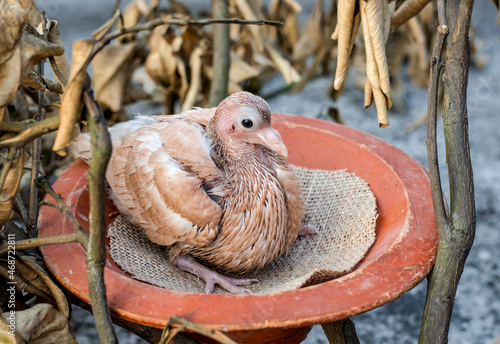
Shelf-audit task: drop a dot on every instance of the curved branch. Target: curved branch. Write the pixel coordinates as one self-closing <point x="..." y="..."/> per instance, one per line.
<point x="96" y="252"/>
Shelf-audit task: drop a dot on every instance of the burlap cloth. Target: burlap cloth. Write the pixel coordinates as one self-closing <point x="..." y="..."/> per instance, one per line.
<point x="340" y="205"/>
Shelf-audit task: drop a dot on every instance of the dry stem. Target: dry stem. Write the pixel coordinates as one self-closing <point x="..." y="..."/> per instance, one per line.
<point x="221" y="54"/>
<point x="151" y="25"/>
<point x="456" y="231"/>
<point x="96" y="252"/>
<point x="178" y="324"/>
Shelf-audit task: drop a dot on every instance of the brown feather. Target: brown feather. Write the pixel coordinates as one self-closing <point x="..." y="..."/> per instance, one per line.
<point x="201" y="182"/>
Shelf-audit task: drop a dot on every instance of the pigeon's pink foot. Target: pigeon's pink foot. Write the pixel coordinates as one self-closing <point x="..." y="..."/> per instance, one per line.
<point x="189" y="264"/>
<point x="308" y="230"/>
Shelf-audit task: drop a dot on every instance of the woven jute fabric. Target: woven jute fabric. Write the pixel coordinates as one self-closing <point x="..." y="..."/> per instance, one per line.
<point x="340" y="205"/>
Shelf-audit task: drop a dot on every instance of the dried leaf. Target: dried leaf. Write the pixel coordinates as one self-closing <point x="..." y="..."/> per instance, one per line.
<point x="282" y="65"/>
<point x="35" y="49"/>
<point x="56" y="292"/>
<point x="407" y="10"/>
<point x="60" y="64"/>
<point x="370" y="22"/>
<point x="161" y="63"/>
<point x="41" y="83"/>
<point x="373" y="20"/>
<point x="184" y="85"/>
<point x="345" y="29"/>
<point x="112" y="68"/>
<point x="10" y="186"/>
<point x="12" y="22"/>
<point x="33" y="14"/>
<point x="368" y="94"/>
<point x="130" y="17"/>
<point x="240" y="70"/>
<point x="104" y="28"/>
<point x="257" y="31"/>
<point x="42" y="324"/>
<point x="71" y="100"/>
<point x="311" y="38"/>
<point x="10" y="75"/>
<point x="294" y="5"/>
<point x="195" y="85"/>
<point x="5" y="337"/>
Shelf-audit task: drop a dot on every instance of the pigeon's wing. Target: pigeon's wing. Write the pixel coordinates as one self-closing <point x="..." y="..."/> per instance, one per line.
<point x="198" y="115"/>
<point x="159" y="175"/>
<point x="293" y="195"/>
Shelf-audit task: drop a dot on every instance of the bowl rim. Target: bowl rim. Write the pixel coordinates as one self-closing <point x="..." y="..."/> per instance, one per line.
<point x="407" y="261"/>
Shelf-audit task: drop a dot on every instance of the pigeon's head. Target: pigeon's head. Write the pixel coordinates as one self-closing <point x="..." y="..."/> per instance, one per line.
<point x="244" y="120"/>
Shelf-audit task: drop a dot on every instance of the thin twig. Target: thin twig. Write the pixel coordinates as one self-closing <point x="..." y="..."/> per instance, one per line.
<point x="177" y="324"/>
<point x="28" y="130"/>
<point x="96" y="253"/>
<point x="81" y="235"/>
<point x="456" y="231"/>
<point x="443" y="22"/>
<point x="35" y="167"/>
<point x="149" y="26"/>
<point x="22" y="209"/>
<point x="432" y="110"/>
<point x="42" y="241"/>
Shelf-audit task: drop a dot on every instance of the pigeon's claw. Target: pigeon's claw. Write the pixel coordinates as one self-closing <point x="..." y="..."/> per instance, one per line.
<point x="308" y="230"/>
<point x="189" y="264"/>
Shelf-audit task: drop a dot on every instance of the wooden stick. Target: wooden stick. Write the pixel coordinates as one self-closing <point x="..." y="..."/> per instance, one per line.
<point x="96" y="252"/>
<point x="341" y="332"/>
<point x="456" y="231"/>
<point x="221" y="56"/>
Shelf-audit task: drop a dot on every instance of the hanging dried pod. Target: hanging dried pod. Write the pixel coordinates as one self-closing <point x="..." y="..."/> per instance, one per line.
<point x="345" y="33"/>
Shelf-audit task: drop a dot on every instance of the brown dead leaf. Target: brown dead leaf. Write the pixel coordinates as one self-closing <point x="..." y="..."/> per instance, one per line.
<point x="130" y="17"/>
<point x="41" y="83"/>
<point x="58" y="295"/>
<point x="10" y="75"/>
<point x="240" y="70"/>
<point x="12" y="22"/>
<point x="9" y="190"/>
<point x="60" y="63"/>
<point x="35" y="49"/>
<point x="311" y="38"/>
<point x="161" y="63"/>
<point x="106" y="27"/>
<point x="71" y="100"/>
<point x="7" y="335"/>
<point x="195" y="65"/>
<point x="42" y="324"/>
<point x="32" y="12"/>
<point x="258" y="33"/>
<point x="344" y="33"/>
<point x="282" y="65"/>
<point x="112" y="69"/>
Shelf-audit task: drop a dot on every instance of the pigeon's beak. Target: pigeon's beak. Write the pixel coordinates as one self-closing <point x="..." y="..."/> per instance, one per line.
<point x="271" y="138"/>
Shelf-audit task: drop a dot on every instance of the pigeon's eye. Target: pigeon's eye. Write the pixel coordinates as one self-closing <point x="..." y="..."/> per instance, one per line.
<point x="247" y="123"/>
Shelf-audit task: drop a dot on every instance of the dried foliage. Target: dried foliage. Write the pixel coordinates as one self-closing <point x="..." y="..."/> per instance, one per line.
<point x="164" y="55"/>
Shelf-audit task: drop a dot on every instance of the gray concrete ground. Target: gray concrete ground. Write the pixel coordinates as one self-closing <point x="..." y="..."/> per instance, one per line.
<point x="476" y="316"/>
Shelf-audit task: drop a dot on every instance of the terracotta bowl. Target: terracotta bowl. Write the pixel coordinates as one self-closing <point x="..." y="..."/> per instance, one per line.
<point x="401" y="257"/>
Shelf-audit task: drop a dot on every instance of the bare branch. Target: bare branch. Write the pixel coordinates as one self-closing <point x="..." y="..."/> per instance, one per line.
<point x="149" y="26"/>
<point x="81" y="235"/>
<point x="41" y="241"/>
<point x="96" y="252"/>
<point x="432" y="155"/>
<point x="221" y="54"/>
<point x="28" y="131"/>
